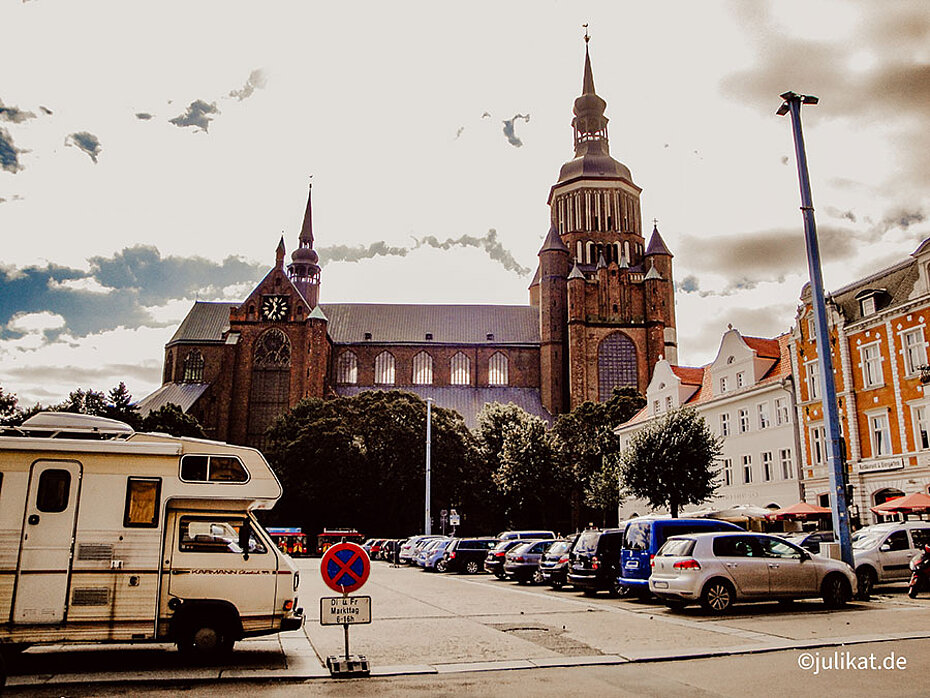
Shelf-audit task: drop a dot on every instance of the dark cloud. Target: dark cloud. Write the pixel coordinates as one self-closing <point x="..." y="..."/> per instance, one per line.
<point x="509" y="129"/>
<point x="842" y="215"/>
<point x="197" y="115"/>
<point x="133" y="279"/>
<point x="14" y="115"/>
<point x="143" y="116"/>
<point x="9" y="153"/>
<point x="689" y="284"/>
<point x="256" y="81"/>
<point x="85" y="141"/>
<point x="356" y="253"/>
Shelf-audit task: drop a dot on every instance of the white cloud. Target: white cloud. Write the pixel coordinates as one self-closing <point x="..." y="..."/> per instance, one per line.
<point x="35" y="323"/>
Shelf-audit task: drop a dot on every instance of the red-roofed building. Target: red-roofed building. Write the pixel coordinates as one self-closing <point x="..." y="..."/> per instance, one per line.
<point x="746" y="396"/>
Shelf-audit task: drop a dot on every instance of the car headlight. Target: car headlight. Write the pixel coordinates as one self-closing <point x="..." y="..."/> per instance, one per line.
<point x="296" y="580"/>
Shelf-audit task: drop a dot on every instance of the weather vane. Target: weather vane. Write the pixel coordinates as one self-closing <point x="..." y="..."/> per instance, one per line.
<point x="587" y="37"/>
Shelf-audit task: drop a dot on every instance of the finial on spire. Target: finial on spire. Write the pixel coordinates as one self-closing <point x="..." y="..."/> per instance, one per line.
<point x="587" y="37"/>
<point x="655" y="222"/>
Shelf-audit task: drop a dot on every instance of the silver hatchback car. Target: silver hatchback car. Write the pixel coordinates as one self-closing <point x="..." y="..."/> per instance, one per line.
<point x="719" y="569"/>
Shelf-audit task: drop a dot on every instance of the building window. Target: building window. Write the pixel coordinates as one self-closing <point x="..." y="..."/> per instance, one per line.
<point x="813" y="379"/>
<point x="723" y="384"/>
<point x="921" y="427"/>
<point x="725" y="424"/>
<point x="811" y="329"/>
<point x="728" y="471"/>
<point x="193" y="367"/>
<point x="880" y="434"/>
<point x="384" y="368"/>
<point x="764" y="421"/>
<point x="461" y="369"/>
<point x="743" y="420"/>
<point x="915" y="351"/>
<point x="740" y="379"/>
<point x="767" y="466"/>
<point x="656" y="407"/>
<point x="818" y="446"/>
<point x="271" y="383"/>
<point x="747" y="469"/>
<point x="498" y="370"/>
<point x="668" y="403"/>
<point x="871" y="363"/>
<point x="616" y="365"/>
<point x="347" y="368"/>
<point x="422" y="369"/>
<point x="784" y="455"/>
<point x="868" y="306"/>
<point x="782" y="416"/>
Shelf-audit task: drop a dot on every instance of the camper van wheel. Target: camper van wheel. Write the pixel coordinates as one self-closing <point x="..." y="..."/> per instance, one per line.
<point x="206" y="637"/>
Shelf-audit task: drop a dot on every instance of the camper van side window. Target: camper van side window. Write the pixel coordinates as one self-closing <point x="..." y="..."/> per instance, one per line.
<point x="212" y="469"/>
<point x="142" y="499"/>
<point x="54" y="488"/>
<point x="214" y="535"/>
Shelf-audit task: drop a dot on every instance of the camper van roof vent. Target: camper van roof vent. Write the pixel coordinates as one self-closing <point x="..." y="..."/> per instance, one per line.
<point x="71" y="425"/>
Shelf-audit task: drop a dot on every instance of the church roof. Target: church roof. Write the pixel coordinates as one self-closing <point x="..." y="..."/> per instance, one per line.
<point x="657" y="244"/>
<point x="390" y="323"/>
<point x="184" y="395"/>
<point x="465" y="400"/>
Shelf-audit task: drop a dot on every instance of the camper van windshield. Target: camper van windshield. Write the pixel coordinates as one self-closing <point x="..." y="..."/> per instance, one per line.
<point x="214" y="535"/>
<point x="195" y="468"/>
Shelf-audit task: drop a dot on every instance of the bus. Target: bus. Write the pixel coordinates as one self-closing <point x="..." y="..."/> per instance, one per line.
<point x="290" y="540"/>
<point x="331" y="536"/>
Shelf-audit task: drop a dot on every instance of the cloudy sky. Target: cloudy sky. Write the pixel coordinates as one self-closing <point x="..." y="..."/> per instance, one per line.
<point x="152" y="154"/>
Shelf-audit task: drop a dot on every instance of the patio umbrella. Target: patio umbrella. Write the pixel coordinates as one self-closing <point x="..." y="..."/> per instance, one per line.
<point x="914" y="503"/>
<point x="741" y="511"/>
<point x="800" y="511"/>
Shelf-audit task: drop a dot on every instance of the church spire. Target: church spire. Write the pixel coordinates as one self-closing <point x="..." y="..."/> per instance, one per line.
<point x="304" y="269"/>
<point x="588" y="87"/>
<point x="306" y="231"/>
<point x="589" y="123"/>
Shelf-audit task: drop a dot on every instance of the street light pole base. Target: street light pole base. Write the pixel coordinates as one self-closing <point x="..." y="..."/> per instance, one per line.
<point x="345" y="667"/>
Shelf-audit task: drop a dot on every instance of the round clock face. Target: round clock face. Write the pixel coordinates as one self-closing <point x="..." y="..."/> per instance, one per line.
<point x="274" y="307"/>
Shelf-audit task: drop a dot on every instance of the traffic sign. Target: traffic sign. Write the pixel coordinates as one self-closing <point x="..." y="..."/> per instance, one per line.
<point x="345" y="567"/>
<point x="345" y="610"/>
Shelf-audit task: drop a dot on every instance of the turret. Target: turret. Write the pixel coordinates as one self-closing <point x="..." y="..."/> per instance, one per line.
<point x="554" y="259"/>
<point x="658" y="255"/>
<point x="304" y="269"/>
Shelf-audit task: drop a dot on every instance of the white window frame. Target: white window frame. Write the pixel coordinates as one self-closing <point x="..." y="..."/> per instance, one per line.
<point x="668" y="403"/>
<point x="784" y="457"/>
<point x="914" y="352"/>
<point x="723" y="384"/>
<point x="812" y="329"/>
<point x="743" y="419"/>
<point x="782" y="412"/>
<point x="724" y="423"/>
<point x="767" y="462"/>
<point x="879" y="433"/>
<point x="747" y="469"/>
<point x="920" y="419"/>
<point x="728" y="472"/>
<point x="871" y="366"/>
<point x="867" y="306"/>
<point x="818" y="441"/>
<point x="812" y="376"/>
<point x="740" y="379"/>
<point x="765" y="421"/>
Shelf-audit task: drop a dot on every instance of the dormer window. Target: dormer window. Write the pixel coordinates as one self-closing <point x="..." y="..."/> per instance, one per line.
<point x="867" y="305"/>
<point x="871" y="300"/>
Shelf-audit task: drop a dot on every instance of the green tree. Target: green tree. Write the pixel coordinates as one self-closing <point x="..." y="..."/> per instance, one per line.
<point x="119" y="406"/>
<point x="586" y="444"/>
<point x="171" y="419"/>
<point x="9" y="407"/>
<point x="83" y="401"/>
<point x="672" y="462"/>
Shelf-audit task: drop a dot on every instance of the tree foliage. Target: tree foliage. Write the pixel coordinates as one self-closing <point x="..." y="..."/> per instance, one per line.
<point x="171" y="419"/>
<point x="360" y="462"/>
<point x="672" y="462"/>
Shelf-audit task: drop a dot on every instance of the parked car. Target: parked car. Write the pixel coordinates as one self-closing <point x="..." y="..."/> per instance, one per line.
<point x="376" y="547"/>
<point x="408" y="546"/>
<point x="387" y="549"/>
<point x="553" y="567"/>
<point x="644" y="537"/>
<point x="809" y="540"/>
<point x="466" y="554"/>
<point x="537" y="535"/>
<point x="596" y="563"/>
<point x="521" y="563"/>
<point x="427" y="549"/>
<point x="719" y="569"/>
<point x="882" y="552"/>
<point x="434" y="558"/>
<point x="366" y="546"/>
<point x="494" y="560"/>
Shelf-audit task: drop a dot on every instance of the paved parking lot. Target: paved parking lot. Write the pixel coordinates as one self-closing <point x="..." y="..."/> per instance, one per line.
<point x="439" y="624"/>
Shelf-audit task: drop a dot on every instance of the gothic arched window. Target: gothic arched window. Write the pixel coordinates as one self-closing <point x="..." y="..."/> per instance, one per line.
<point x="498" y="370"/>
<point x="616" y="365"/>
<point x="461" y="369"/>
<point x="422" y="369"/>
<point x="384" y="368"/>
<point x="271" y="383"/>
<point x="193" y="367"/>
<point x="347" y="368"/>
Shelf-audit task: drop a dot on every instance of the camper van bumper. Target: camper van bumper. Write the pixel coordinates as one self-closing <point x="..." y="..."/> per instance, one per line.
<point x="294" y="622"/>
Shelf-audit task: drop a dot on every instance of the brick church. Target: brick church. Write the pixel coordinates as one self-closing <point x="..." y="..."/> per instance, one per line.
<point x="601" y="313"/>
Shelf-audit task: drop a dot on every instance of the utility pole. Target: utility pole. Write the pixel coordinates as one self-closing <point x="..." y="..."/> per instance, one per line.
<point x="427" y="528"/>
<point x="835" y="461"/>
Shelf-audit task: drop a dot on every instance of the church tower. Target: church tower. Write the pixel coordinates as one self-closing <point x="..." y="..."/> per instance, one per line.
<point x="615" y="295"/>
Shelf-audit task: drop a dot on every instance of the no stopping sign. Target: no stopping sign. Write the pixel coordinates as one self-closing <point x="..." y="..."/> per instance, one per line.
<point x="345" y="567"/>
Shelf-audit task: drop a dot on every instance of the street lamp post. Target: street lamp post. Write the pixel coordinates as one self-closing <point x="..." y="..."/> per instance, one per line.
<point x="835" y="461"/>
<point x="427" y="528"/>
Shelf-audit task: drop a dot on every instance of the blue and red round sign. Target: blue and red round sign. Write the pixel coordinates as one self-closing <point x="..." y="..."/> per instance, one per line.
<point x="345" y="567"/>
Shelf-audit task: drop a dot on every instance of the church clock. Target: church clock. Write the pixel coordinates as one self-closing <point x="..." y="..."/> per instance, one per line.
<point x="275" y="307"/>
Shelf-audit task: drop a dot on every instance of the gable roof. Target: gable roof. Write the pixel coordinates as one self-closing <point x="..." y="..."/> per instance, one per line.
<point x="765" y="348"/>
<point x="688" y="374"/>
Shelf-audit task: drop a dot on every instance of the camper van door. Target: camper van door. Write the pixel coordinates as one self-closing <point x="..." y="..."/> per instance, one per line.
<point x="48" y="534"/>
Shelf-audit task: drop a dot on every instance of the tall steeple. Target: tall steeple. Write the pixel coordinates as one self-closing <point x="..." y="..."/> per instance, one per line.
<point x="589" y="123"/>
<point x="304" y="269"/>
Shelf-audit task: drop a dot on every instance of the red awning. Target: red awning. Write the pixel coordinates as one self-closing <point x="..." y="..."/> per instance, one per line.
<point x="801" y="510"/>
<point x="913" y="503"/>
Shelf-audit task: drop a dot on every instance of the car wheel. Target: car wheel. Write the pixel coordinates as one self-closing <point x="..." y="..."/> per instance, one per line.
<point x="556" y="583"/>
<point x="441" y="566"/>
<point x="865" y="581"/>
<point x="471" y="567"/>
<point x="835" y="591"/>
<point x="717" y="596"/>
<point x="912" y="591"/>
<point x="537" y="577"/>
<point x="205" y="638"/>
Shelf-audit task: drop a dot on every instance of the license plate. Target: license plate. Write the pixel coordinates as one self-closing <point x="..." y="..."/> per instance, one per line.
<point x="632" y="564"/>
<point x="660" y="585"/>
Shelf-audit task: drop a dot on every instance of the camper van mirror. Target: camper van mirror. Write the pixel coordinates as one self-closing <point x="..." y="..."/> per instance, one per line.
<point x="245" y="535"/>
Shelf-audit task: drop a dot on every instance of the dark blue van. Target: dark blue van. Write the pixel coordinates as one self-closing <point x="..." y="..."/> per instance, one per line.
<point x="643" y="538"/>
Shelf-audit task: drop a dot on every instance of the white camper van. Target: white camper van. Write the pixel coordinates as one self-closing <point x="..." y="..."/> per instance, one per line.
<point x="111" y="535"/>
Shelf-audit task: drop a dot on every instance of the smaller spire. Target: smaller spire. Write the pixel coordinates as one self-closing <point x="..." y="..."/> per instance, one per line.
<point x="576" y="272"/>
<point x="653" y="273"/>
<point x="553" y="241"/>
<point x="601" y="262"/>
<point x="279" y="252"/>
<point x="306" y="230"/>
<point x="588" y="86"/>
<point x="656" y="243"/>
<point x="624" y="262"/>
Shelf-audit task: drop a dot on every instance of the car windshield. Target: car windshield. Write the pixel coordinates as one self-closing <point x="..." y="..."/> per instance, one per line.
<point x="636" y="536"/>
<point x="865" y="539"/>
<point x="676" y="547"/>
<point x="558" y="547"/>
<point x="587" y="542"/>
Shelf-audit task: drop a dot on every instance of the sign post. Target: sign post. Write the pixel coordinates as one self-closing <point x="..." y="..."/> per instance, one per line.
<point x="345" y="568"/>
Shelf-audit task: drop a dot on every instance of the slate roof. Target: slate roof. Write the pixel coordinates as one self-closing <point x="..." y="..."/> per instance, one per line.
<point x="391" y="323"/>
<point x="465" y="400"/>
<point x="896" y="284"/>
<point x="182" y="394"/>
